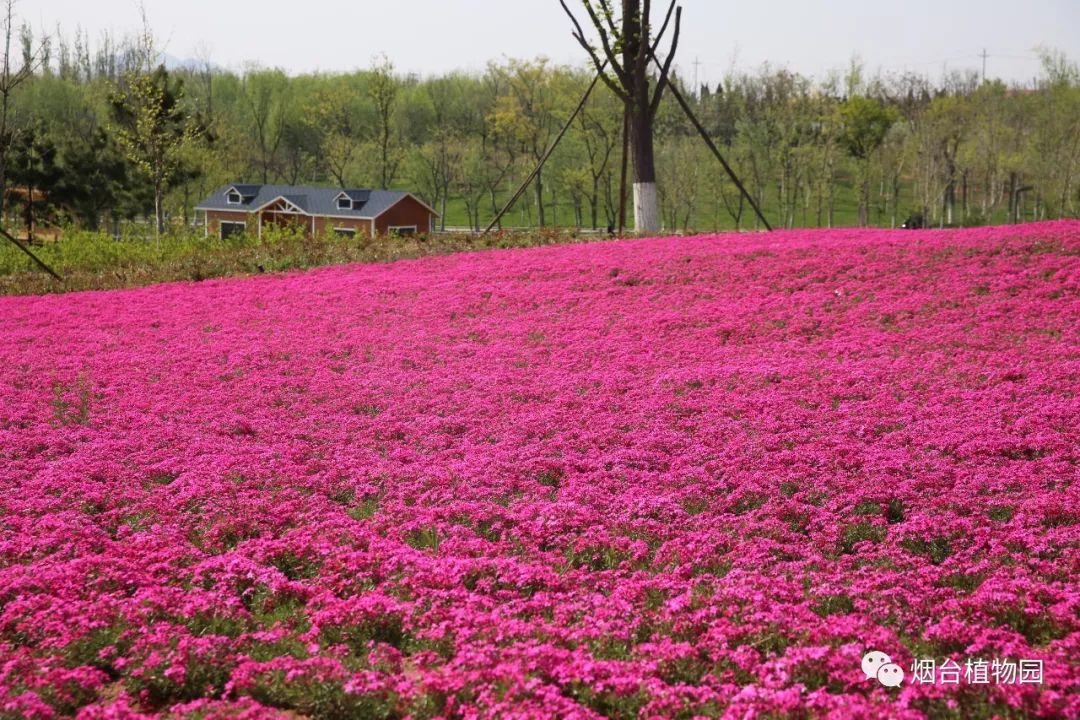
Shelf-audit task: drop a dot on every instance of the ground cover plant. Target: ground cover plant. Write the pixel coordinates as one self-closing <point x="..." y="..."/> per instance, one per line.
<point x="98" y="261"/>
<point x="643" y="478"/>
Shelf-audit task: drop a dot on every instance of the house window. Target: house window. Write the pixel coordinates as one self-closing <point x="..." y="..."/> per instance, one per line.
<point x="233" y="198"/>
<point x="228" y="228"/>
<point x="402" y="230"/>
<point x="345" y="232"/>
<point x="344" y="203"/>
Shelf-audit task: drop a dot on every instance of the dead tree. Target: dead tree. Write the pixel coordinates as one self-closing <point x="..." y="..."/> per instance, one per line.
<point x="622" y="61"/>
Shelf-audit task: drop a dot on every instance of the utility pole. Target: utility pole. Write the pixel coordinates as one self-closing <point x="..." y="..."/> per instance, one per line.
<point x="984" y="56"/>
<point x="697" y="86"/>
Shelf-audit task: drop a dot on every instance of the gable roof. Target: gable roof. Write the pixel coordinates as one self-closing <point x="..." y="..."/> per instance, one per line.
<point x="360" y="196"/>
<point x="292" y="203"/>
<point x="367" y="204"/>
<point x="245" y="190"/>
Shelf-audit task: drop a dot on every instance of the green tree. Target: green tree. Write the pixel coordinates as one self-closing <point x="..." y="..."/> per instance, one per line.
<point x="680" y="184"/>
<point x="341" y="123"/>
<point x="450" y="103"/>
<point x="599" y="126"/>
<point x="383" y="89"/>
<point x="15" y="72"/>
<point x="154" y="129"/>
<point x="267" y="94"/>
<point x="525" y="114"/>
<point x="95" y="179"/>
<point x="1054" y="147"/>
<point x="34" y="171"/>
<point x="866" y="121"/>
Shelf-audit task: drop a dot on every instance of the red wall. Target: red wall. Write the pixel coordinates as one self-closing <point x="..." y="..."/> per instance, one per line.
<point x="408" y="211"/>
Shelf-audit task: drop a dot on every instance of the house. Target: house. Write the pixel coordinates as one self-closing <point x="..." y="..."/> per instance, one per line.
<point x="346" y="211"/>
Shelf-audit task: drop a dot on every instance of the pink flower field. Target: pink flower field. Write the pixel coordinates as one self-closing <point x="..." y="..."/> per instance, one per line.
<point x="684" y="477"/>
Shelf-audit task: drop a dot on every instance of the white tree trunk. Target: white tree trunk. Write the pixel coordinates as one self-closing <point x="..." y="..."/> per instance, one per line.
<point x="646" y="209"/>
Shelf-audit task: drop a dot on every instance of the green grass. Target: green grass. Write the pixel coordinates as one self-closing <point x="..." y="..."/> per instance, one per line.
<point x="710" y="215"/>
<point x="96" y="261"/>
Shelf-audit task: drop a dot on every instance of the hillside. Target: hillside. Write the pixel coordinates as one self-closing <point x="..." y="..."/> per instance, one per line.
<point x="667" y="477"/>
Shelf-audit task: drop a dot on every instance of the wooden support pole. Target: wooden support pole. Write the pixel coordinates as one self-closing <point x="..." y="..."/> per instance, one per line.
<point x="547" y="154"/>
<point x="33" y="257"/>
<point x="625" y="162"/>
<point x="712" y="146"/>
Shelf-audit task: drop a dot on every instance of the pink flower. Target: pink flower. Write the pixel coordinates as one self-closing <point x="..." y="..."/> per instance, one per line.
<point x="514" y="484"/>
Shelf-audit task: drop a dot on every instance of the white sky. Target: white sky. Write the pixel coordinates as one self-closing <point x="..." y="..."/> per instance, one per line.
<point x="431" y="36"/>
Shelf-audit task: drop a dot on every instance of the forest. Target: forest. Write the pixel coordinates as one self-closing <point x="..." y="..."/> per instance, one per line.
<point x="100" y="135"/>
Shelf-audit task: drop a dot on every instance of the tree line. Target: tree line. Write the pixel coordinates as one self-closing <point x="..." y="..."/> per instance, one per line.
<point x="99" y="133"/>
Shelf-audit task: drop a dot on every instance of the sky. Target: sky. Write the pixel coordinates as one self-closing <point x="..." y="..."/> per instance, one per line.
<point x="435" y="36"/>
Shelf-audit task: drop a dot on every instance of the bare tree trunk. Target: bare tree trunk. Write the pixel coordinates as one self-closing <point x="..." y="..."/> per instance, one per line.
<point x="385" y="155"/>
<point x="10" y="79"/>
<point x="895" y="198"/>
<point x="831" y="205"/>
<point x="594" y="200"/>
<point x="818" y="204"/>
<point x="646" y="202"/>
<point x="864" y="194"/>
<point x="187" y="201"/>
<point x="30" y="214"/>
<point x="159" y="212"/>
<point x="539" y="187"/>
<point x="1012" y="197"/>
<point x="629" y="50"/>
<point x="964" y="195"/>
<point x="949" y="209"/>
<point x="494" y="207"/>
<point x="5" y="97"/>
<point x="625" y="163"/>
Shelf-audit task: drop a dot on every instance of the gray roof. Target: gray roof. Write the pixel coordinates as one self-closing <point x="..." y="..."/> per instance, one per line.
<point x="312" y="200"/>
<point x="247" y="190"/>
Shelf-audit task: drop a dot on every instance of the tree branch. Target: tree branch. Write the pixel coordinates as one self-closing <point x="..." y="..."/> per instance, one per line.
<point x="9" y="79"/>
<point x="609" y="14"/>
<point x="664" y="71"/>
<point x="601" y="65"/>
<point x="601" y="69"/>
<point x="604" y="40"/>
<point x="664" y="27"/>
<point x="642" y="46"/>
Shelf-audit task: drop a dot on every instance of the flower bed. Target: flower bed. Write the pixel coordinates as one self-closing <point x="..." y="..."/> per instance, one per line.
<point x="670" y="477"/>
